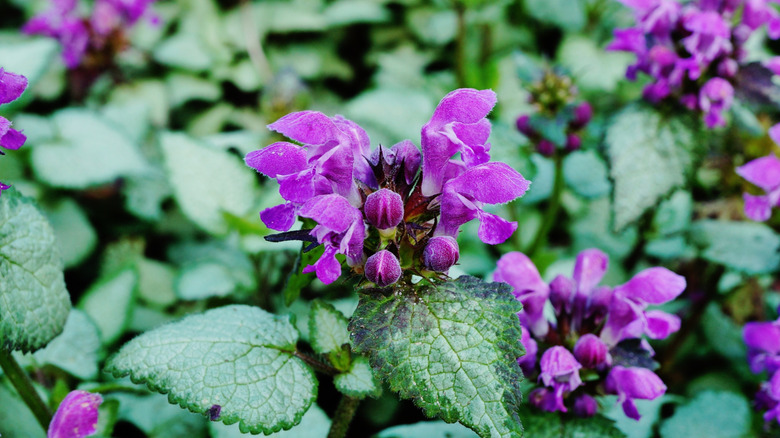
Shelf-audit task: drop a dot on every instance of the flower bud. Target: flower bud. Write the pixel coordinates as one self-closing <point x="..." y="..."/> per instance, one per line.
<point x="582" y="115"/>
<point x="585" y="406"/>
<point x="590" y="351"/>
<point x="384" y="209"/>
<point x="561" y="292"/>
<point x="524" y="126"/>
<point x="573" y="142"/>
<point x="546" y="147"/>
<point x="383" y="268"/>
<point x="441" y="253"/>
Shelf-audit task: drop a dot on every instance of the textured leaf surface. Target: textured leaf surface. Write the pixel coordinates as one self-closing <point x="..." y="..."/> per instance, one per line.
<point x="238" y="357"/>
<point x="450" y="348"/>
<point x="539" y="424"/>
<point x="748" y="247"/>
<point x="314" y="424"/>
<point x="110" y="303"/>
<point x="16" y="419"/>
<point x="428" y="429"/>
<point x="76" y="237"/>
<point x="207" y="181"/>
<point x="359" y="381"/>
<point x="34" y="303"/>
<point x="327" y="328"/>
<point x="75" y="350"/>
<point x="649" y="157"/>
<point x="89" y="151"/>
<point x="710" y="415"/>
<point x="29" y="56"/>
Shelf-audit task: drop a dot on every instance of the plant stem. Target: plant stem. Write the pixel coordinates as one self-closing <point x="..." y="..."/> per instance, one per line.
<point x="552" y="208"/>
<point x="343" y="416"/>
<point x="460" y="46"/>
<point x="24" y="387"/>
<point x="316" y="364"/>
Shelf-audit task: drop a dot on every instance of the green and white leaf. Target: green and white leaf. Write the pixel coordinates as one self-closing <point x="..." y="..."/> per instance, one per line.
<point x="567" y="14"/>
<point x="360" y="381"/>
<point x="75" y="350"/>
<point x="204" y="280"/>
<point x="110" y="303"/>
<point x="34" y="303"/>
<point x="207" y="181"/>
<point x="238" y="357"/>
<point x="451" y="348"/>
<point x="593" y="67"/>
<point x="16" y="419"/>
<point x="28" y="56"/>
<point x="89" y="151"/>
<point x="76" y="237"/>
<point x="155" y="416"/>
<point x="649" y="155"/>
<point x="748" y="247"/>
<point x="155" y="282"/>
<point x="586" y="173"/>
<point x="314" y="424"/>
<point x="540" y="424"/>
<point x="327" y="327"/>
<point x="428" y="429"/>
<point x="710" y="415"/>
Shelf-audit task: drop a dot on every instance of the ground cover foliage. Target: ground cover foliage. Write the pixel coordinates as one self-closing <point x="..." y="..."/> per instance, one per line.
<point x="620" y="278"/>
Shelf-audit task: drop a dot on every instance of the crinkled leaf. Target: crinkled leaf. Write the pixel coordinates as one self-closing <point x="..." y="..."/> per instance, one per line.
<point x="359" y="381"/>
<point x="540" y="424"/>
<point x="710" y="415"/>
<point x="207" y="181"/>
<point x="89" y="150"/>
<point x="586" y="174"/>
<point x="327" y="327"/>
<point x="428" y="429"/>
<point x="75" y="350"/>
<point x="593" y="67"/>
<point x="238" y="357"/>
<point x="649" y="156"/>
<point x="314" y="424"/>
<point x="76" y="237"/>
<point x="451" y="348"/>
<point x="748" y="247"/>
<point x="110" y="303"/>
<point x="34" y="303"/>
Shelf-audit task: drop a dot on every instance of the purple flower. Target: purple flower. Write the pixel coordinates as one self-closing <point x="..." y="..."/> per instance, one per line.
<point x="715" y="97"/>
<point x="656" y="17"/>
<point x="633" y="383"/>
<point x="518" y="271"/>
<point x="591" y="351"/>
<point x="628" y="317"/>
<point x="384" y="209"/>
<point x="763" y="342"/>
<point x="710" y="35"/>
<point x="560" y="370"/>
<point x="462" y="199"/>
<point x="765" y="173"/>
<point x="771" y="391"/>
<point x="383" y="268"/>
<point x="404" y="152"/>
<point x="458" y="125"/>
<point x="340" y="229"/>
<point x="441" y="253"/>
<point x="527" y="362"/>
<point x="759" y="12"/>
<point x="76" y="416"/>
<point x="585" y="406"/>
<point x="12" y="86"/>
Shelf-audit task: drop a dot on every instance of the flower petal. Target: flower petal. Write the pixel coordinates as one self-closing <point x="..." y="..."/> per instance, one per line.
<point x="589" y="269"/>
<point x="653" y="285"/>
<point x="763" y="172"/>
<point x="280" y="158"/>
<point x="307" y="127"/>
<point x="279" y="218"/>
<point x="12" y="86"/>
<point x="757" y="208"/>
<point x="764" y="336"/>
<point x="328" y="268"/>
<point x="76" y="416"/>
<point x="661" y="324"/>
<point x="13" y="139"/>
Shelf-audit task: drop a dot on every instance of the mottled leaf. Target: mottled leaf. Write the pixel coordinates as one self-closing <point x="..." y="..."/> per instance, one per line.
<point x="327" y="327"/>
<point x="359" y="381"/>
<point x="748" y="247"/>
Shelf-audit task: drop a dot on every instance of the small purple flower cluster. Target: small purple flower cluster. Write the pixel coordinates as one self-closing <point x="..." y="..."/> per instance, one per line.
<point x="763" y="344"/>
<point x="693" y="50"/>
<point x="597" y="331"/>
<point x="765" y="173"/>
<point x="372" y="207"/>
<point x="85" y="38"/>
<point x="12" y="86"/>
<point x="580" y="116"/>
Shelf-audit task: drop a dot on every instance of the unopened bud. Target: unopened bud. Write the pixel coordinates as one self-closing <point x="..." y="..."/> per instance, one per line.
<point x="524" y="126"/>
<point x="383" y="268"/>
<point x="384" y="209"/>
<point x="585" y="406"/>
<point x="582" y="115"/>
<point x="546" y="147"/>
<point x="441" y="253"/>
<point x="590" y="351"/>
<point x="573" y="142"/>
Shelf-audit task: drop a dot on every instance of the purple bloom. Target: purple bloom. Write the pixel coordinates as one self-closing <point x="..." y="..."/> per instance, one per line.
<point x="765" y="173"/>
<point x="771" y="391"/>
<point x="528" y="361"/>
<point x="12" y="86"/>
<point x="715" y="97"/>
<point x="518" y="271"/>
<point x="383" y="268"/>
<point x="657" y="17"/>
<point x="384" y="209"/>
<point x="340" y="229"/>
<point x="441" y="253"/>
<point x="591" y="351"/>
<point x="560" y="370"/>
<point x="763" y="342"/>
<point x="76" y="416"/>
<point x="585" y="406"/>
<point x="710" y="35"/>
<point x="633" y="383"/>
<point x="628" y="317"/>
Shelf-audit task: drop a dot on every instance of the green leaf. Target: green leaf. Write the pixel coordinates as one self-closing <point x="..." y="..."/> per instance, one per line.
<point x="391" y="114"/>
<point x="359" y="382"/>
<point x="238" y="357"/>
<point x="327" y="327"/>
<point x="204" y="280"/>
<point x="451" y="348"/>
<point x="34" y="303"/>
<point x="650" y="155"/>
<point x="76" y="237"/>
<point x="155" y="282"/>
<point x="592" y="67"/>
<point x="343" y="12"/>
<point x="207" y="181"/>
<point x="89" y="151"/>
<point x="747" y="247"/>
<point x="539" y="424"/>
<point x="710" y="415"/>
<point x="16" y="419"/>
<point x="649" y="410"/>
<point x="314" y="424"/>
<point x="110" y="303"/>
<point x="567" y="14"/>
<point x="156" y="417"/>
<point x="29" y="56"/>
<point x="586" y="173"/>
<point x="75" y="350"/>
<point x="428" y="429"/>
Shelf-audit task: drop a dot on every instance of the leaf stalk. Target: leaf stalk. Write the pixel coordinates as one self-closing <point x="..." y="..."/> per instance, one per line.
<point x="25" y="388"/>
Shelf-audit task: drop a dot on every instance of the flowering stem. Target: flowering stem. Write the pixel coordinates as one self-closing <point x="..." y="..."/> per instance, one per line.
<point x="343" y="416"/>
<point x="24" y="387"/>
<point x="552" y="208"/>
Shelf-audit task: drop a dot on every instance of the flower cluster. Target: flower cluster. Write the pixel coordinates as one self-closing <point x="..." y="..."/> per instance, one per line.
<point x="76" y="417"/>
<point x="765" y="173"/>
<point x="12" y="86"/>
<point x="595" y="343"/>
<point x="763" y="343"/>
<point x="554" y="97"/>
<point x="693" y="51"/>
<point x="89" y="39"/>
<point x="372" y="206"/>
